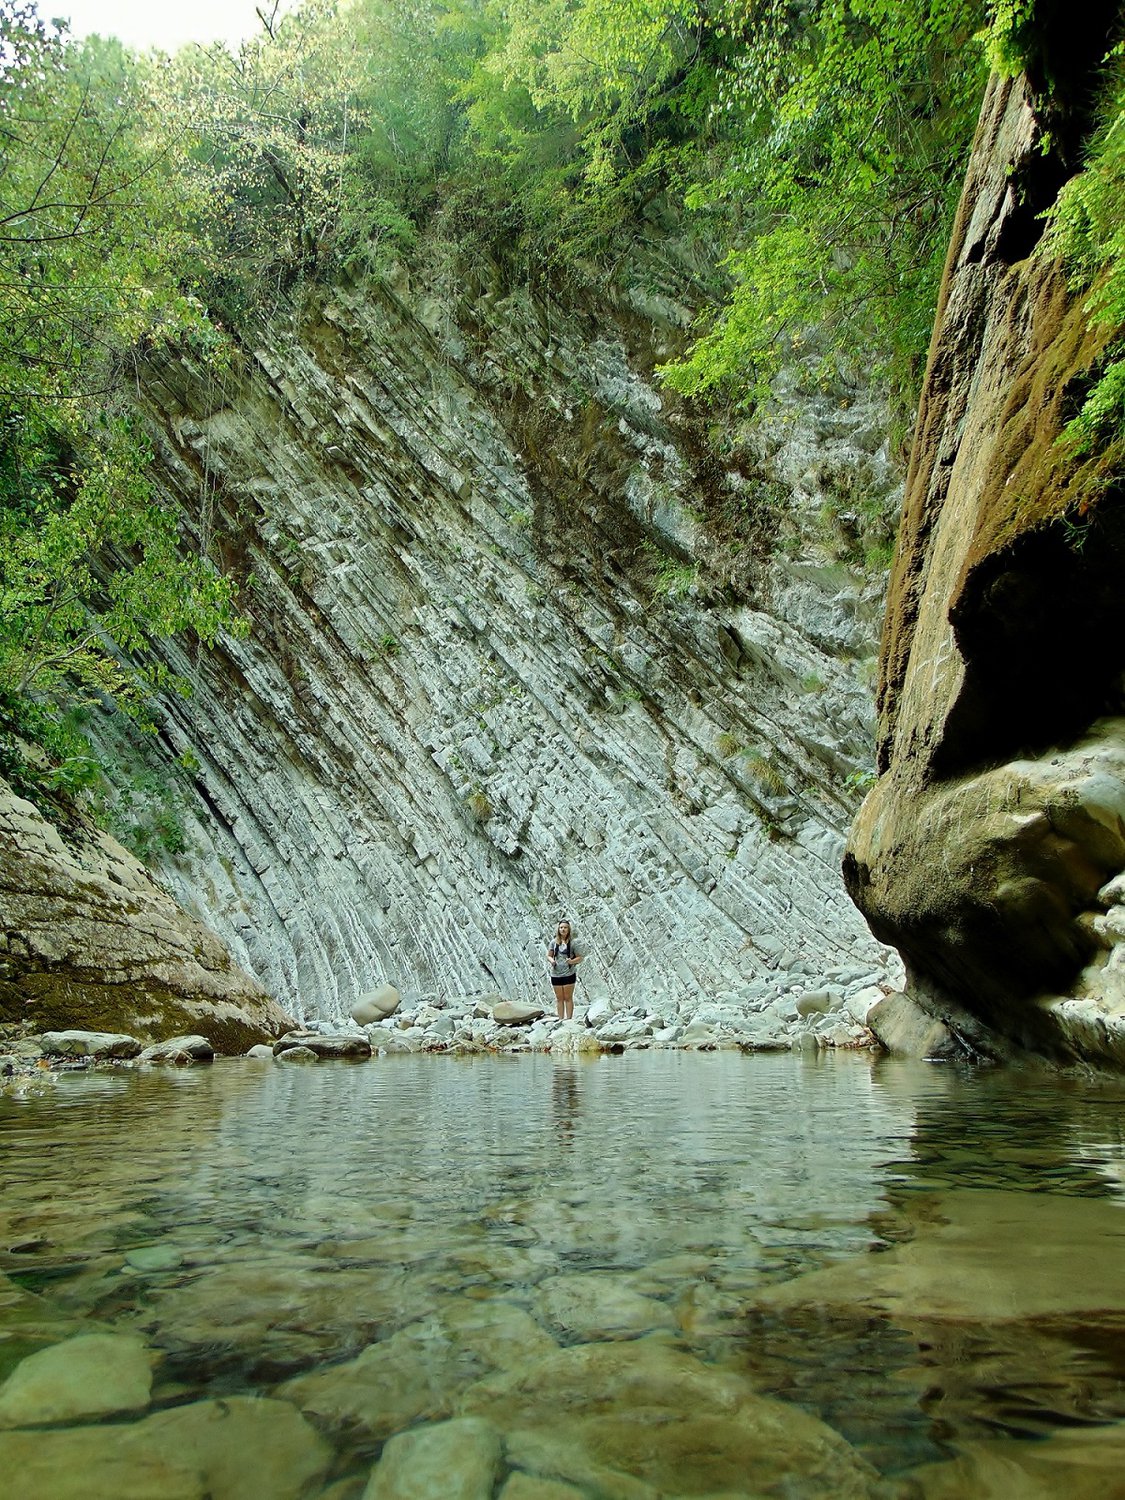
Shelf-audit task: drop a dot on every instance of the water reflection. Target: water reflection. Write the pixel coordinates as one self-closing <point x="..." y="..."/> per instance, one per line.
<point x="564" y="1100"/>
<point x="921" y="1263"/>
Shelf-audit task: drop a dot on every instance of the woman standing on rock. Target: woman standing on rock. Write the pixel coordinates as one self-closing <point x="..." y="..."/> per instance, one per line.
<point x="563" y="959"/>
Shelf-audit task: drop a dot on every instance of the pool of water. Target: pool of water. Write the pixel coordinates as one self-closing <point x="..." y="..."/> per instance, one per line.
<point x="655" y="1275"/>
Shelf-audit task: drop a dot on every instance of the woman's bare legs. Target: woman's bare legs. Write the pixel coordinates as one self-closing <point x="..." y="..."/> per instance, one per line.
<point x="564" y="999"/>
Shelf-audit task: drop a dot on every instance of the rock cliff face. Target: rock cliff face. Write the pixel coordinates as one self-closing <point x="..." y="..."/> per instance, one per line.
<point x="87" y="939"/>
<point x="989" y="851"/>
<point x="488" y="683"/>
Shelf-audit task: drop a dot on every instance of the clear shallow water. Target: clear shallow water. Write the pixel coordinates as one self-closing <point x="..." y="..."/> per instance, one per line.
<point x="927" y="1266"/>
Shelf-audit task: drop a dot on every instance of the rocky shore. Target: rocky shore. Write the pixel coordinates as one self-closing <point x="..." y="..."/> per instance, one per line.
<point x="777" y="1014"/>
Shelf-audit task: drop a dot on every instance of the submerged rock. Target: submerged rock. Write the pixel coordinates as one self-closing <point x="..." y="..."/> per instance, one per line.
<point x="456" y="1460"/>
<point x="227" y="1449"/>
<point x="522" y="1486"/>
<point x="1086" y="1464"/>
<point x="243" y="1445"/>
<point x="297" y="1054"/>
<point x="951" y="1271"/>
<point x="422" y="1369"/>
<point x="95" y="1463"/>
<point x="283" y="1310"/>
<point x="600" y="1305"/>
<point x="93" y="1375"/>
<point x="645" y="1420"/>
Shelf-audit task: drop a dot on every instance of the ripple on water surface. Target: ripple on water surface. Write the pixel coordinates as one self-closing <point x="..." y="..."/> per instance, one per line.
<point x="651" y="1275"/>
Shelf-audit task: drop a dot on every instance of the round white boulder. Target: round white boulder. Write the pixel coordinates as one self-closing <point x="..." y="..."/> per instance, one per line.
<point x="376" y="1005"/>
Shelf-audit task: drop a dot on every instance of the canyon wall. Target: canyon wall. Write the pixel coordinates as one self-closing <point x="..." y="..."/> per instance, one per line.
<point x="499" y="670"/>
<point x="990" y="852"/>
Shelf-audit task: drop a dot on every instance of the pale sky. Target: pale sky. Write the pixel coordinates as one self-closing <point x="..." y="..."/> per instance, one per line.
<point x="159" y="23"/>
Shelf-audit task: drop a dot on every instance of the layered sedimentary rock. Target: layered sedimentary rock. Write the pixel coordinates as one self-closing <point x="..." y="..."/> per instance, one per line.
<point x="88" y="939"/>
<point x="487" y="684"/>
<point x="988" y="852"/>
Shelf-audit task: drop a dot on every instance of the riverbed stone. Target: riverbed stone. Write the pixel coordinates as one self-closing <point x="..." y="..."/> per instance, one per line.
<point x="94" y="1463"/>
<point x="859" y="1002"/>
<point x="598" y="1011"/>
<point x="260" y="1052"/>
<point x="571" y="1039"/>
<point x="516" y="1012"/>
<point x="818" y="1002"/>
<point x="950" y="1270"/>
<point x="419" y="1371"/>
<point x="623" y="1029"/>
<point x="179" y="1050"/>
<point x="244" y="1445"/>
<point x="906" y="1030"/>
<point x="299" y="1054"/>
<point x="97" y="1044"/>
<point x="330" y="1045"/>
<point x="154" y="1258"/>
<point x="455" y="1460"/>
<point x="647" y="1420"/>
<point x="289" y="1309"/>
<point x="599" y="1305"/>
<point x="522" y="1486"/>
<point x="1080" y="1464"/>
<point x="376" y="1005"/>
<point x="93" y="1375"/>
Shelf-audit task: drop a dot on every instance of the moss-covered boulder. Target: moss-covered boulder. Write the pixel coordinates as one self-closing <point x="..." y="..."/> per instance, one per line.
<point x="983" y="852"/>
<point x="89" y="941"/>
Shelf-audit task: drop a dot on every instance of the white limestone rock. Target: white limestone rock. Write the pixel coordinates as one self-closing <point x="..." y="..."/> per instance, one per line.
<point x="97" y="1044"/>
<point x="516" y="1013"/>
<point x="376" y="1005"/>
<point x="598" y="1011"/>
<point x="818" y="1002"/>
<point x="180" y="1051"/>
<point x="352" y="1045"/>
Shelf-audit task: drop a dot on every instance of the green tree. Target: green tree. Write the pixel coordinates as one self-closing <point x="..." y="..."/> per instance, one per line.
<point x="852" y="121"/>
<point x="89" y="565"/>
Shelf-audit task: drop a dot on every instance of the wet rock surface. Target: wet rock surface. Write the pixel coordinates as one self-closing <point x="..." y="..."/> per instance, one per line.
<point x="91" y="942"/>
<point x="1001" y="811"/>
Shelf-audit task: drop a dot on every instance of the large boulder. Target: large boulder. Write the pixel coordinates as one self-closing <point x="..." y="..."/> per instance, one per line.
<point x="179" y="1050"/>
<point x="516" y="1013"/>
<point x="1000" y="814"/>
<point x="89" y="941"/>
<point x="96" y="1044"/>
<point x="323" y="1045"/>
<point x="376" y="1005"/>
